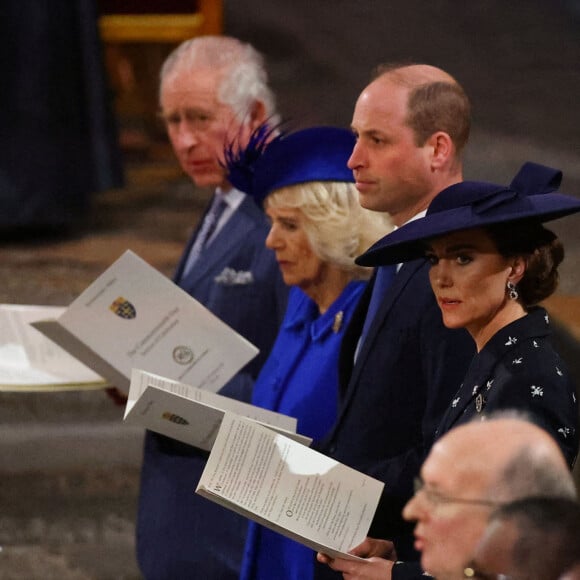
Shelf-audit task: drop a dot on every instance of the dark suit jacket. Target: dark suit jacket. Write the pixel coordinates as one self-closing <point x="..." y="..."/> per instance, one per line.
<point x="395" y="394"/>
<point x="180" y="534"/>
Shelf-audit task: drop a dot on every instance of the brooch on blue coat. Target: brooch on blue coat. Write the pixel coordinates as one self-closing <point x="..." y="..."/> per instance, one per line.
<point x="337" y="321"/>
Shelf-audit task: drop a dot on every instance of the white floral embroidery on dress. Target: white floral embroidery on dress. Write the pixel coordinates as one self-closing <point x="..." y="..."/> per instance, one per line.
<point x="511" y="340"/>
<point x="565" y="431"/>
<point x="547" y="318"/>
<point x="559" y="372"/>
<point x="489" y="383"/>
<point x="518" y="361"/>
<point x="455" y="402"/>
<point x="537" y="391"/>
<point x="535" y="343"/>
<point x="475" y="389"/>
<point x="231" y="277"/>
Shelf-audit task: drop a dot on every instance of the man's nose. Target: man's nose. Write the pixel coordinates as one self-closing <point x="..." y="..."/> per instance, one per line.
<point x="413" y="510"/>
<point x="186" y="136"/>
<point x="356" y="157"/>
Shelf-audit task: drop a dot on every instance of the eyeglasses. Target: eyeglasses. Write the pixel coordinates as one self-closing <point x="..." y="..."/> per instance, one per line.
<point x="473" y="573"/>
<point x="437" y="498"/>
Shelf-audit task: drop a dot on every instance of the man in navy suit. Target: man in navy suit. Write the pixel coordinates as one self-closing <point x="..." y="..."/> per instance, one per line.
<point x="213" y="93"/>
<point x="400" y="366"/>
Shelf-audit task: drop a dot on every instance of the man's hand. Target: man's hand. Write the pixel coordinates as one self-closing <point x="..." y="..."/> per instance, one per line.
<point x="379" y="555"/>
<point x="373" y="547"/>
<point x="371" y="569"/>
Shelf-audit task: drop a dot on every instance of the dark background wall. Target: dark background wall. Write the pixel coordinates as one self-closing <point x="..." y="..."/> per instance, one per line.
<point x="518" y="60"/>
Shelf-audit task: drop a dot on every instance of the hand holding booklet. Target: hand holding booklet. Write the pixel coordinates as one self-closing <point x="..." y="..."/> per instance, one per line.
<point x="289" y="487"/>
<point x="132" y="316"/>
<point x="192" y="415"/>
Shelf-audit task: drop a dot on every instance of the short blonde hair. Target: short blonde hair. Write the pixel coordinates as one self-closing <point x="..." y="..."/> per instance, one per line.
<point x="336" y="225"/>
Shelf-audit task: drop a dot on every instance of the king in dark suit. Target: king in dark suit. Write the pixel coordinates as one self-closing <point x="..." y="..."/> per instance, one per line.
<point x="225" y="266"/>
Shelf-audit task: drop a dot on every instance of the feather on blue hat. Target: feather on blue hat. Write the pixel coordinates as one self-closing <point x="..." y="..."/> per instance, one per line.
<point x="270" y="162"/>
<point x="472" y="204"/>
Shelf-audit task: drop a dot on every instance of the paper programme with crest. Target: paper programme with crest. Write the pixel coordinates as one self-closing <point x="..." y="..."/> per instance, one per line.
<point x="193" y="415"/>
<point x="132" y="316"/>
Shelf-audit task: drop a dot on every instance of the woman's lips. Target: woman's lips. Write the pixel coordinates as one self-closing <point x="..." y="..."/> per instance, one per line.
<point x="448" y="302"/>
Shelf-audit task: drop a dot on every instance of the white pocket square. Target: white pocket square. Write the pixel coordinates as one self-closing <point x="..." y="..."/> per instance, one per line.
<point x="231" y="277"/>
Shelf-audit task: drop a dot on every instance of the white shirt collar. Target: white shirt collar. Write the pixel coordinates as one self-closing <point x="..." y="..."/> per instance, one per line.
<point x="233" y="197"/>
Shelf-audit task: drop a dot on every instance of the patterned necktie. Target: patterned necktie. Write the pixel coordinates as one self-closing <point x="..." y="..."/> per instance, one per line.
<point x="383" y="279"/>
<point x="212" y="217"/>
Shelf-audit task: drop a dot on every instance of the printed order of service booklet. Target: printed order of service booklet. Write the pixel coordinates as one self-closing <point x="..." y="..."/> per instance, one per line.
<point x="289" y="487"/>
<point x="192" y="415"/>
<point x="132" y="316"/>
<point x="31" y="362"/>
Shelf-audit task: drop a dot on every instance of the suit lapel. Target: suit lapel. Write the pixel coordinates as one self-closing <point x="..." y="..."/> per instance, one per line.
<point x="456" y="407"/>
<point x="476" y="385"/>
<point x="186" y="251"/>
<point x="232" y="235"/>
<point x="399" y="284"/>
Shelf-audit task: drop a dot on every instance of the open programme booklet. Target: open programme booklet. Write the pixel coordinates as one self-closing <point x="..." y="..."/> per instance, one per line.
<point x="289" y="487"/>
<point x="132" y="316"/>
<point x="31" y="362"/>
<point x="192" y="415"/>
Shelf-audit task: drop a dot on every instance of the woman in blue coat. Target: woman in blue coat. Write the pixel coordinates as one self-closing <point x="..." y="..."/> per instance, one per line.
<point x="317" y="229"/>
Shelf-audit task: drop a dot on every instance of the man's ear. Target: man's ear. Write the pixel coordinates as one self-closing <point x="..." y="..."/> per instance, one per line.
<point x="257" y="115"/>
<point x="442" y="149"/>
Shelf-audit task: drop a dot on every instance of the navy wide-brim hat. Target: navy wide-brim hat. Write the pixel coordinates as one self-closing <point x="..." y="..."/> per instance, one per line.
<point x="269" y="163"/>
<point x="472" y="204"/>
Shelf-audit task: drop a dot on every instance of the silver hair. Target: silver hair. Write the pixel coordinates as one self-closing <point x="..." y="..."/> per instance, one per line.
<point x="244" y="81"/>
<point x="534" y="473"/>
<point x="336" y="225"/>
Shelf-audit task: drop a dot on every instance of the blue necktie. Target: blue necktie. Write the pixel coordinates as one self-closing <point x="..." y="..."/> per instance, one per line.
<point x="212" y="217"/>
<point x="383" y="279"/>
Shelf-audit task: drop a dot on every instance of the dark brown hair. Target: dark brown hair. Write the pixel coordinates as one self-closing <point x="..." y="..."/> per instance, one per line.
<point x="433" y="105"/>
<point x="542" y="251"/>
<point x="436" y="107"/>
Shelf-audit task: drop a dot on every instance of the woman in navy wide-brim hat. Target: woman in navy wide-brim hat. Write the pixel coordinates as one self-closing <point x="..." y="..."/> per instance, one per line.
<point x="492" y="262"/>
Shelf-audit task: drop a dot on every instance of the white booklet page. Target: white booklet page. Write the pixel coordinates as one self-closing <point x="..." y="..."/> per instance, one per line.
<point x="132" y="316"/>
<point x="289" y="488"/>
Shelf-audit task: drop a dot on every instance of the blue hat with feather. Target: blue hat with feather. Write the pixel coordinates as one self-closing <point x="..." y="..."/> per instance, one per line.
<point x="271" y="161"/>
<point x="531" y="196"/>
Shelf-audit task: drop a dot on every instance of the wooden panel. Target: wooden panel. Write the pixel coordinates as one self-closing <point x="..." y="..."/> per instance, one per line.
<point x="150" y="27"/>
<point x="166" y="22"/>
<point x="137" y="36"/>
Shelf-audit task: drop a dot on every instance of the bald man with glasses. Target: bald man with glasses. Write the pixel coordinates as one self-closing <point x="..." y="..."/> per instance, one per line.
<point x="469" y="472"/>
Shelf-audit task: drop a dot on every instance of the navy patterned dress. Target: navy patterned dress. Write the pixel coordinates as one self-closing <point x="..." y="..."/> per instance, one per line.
<point x="519" y="369"/>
